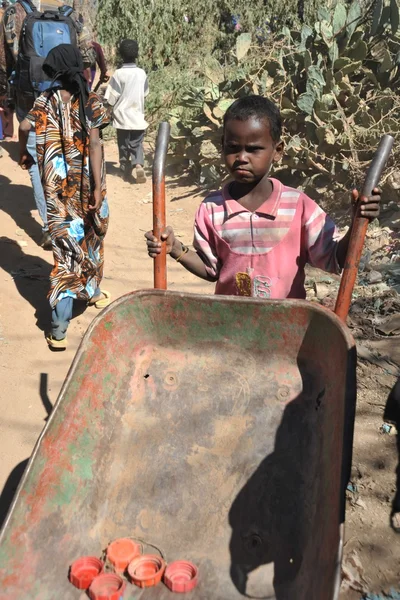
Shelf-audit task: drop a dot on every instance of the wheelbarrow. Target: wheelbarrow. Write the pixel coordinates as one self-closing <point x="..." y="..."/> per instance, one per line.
<point x="214" y="429"/>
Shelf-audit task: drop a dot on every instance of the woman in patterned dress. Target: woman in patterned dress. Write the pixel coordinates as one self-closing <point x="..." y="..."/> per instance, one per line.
<point x="68" y="119"/>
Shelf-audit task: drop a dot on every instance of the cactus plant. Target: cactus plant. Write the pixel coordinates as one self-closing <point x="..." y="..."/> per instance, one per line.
<point x="337" y="86"/>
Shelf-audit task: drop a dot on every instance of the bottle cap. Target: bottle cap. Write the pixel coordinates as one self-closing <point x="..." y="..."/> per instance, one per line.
<point x="121" y="552"/>
<point x="107" y="586"/>
<point x="146" y="570"/>
<point x="181" y="576"/>
<point x="84" y="570"/>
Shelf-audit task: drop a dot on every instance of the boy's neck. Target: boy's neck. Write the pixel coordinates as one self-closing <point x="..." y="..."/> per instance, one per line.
<point x="251" y="195"/>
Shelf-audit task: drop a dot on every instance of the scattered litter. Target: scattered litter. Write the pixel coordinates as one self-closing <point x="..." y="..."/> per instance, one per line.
<point x="353" y="574"/>
<point x="20" y="231"/>
<point x="364" y="261"/>
<point x="389" y="325"/>
<point x="22" y="243"/>
<point x="359" y="502"/>
<point x="374" y="277"/>
<point x="385" y="428"/>
<point x="395" y="521"/>
<point x="321" y="290"/>
<point x="388" y="429"/>
<point x="353" y="496"/>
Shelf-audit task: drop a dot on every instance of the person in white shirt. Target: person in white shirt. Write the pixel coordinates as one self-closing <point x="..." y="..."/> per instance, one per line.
<point x="125" y="93"/>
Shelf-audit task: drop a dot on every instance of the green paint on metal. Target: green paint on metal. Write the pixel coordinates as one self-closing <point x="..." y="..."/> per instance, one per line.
<point x="82" y="456"/>
<point x="261" y="325"/>
<point x="66" y="491"/>
<point x="108" y="325"/>
<point x="83" y="467"/>
<point x="4" y="553"/>
<point x="81" y="453"/>
<point x="107" y="378"/>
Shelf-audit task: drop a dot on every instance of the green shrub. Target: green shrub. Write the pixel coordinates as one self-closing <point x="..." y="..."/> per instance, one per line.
<point x="337" y="85"/>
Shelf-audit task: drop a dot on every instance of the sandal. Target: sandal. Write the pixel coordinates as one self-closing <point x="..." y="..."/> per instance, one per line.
<point x="56" y="344"/>
<point x="102" y="302"/>
<point x="140" y="175"/>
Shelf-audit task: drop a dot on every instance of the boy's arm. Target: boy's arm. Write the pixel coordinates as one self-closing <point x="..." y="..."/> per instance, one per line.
<point x="113" y="91"/>
<point x="203" y="261"/>
<point x="191" y="260"/>
<point x="322" y="243"/>
<point x="96" y="158"/>
<point x="369" y="208"/>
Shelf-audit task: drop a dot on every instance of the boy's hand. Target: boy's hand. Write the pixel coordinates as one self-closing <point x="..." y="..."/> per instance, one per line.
<point x="173" y="246"/>
<point x="26" y="161"/>
<point x="95" y="200"/>
<point x="369" y="207"/>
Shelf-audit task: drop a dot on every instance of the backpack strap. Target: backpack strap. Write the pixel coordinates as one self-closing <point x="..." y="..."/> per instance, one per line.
<point x="66" y="11"/>
<point x="74" y="18"/>
<point x="28" y="6"/>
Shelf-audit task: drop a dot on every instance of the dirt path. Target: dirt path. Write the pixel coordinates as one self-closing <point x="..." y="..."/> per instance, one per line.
<point x="31" y="375"/>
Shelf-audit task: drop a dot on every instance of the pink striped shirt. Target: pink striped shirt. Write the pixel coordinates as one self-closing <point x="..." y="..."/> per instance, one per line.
<point x="263" y="253"/>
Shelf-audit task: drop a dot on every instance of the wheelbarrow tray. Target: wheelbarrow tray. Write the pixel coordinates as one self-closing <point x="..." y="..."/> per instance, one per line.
<point x="217" y="429"/>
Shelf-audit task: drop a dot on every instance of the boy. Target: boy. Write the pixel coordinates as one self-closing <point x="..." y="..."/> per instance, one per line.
<point x="255" y="236"/>
<point x="126" y="93"/>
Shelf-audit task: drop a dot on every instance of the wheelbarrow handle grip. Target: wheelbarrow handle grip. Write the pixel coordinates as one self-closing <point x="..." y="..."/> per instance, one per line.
<point x="359" y="229"/>
<point x="159" y="219"/>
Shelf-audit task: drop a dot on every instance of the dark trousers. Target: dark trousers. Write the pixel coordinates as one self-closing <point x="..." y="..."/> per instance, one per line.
<point x="130" y="146"/>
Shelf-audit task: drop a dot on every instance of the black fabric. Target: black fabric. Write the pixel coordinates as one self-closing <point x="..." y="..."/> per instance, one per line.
<point x="130" y="146"/>
<point x="64" y="63"/>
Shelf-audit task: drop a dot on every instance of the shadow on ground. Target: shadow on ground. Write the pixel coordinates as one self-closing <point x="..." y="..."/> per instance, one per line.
<point x="10" y="488"/>
<point x="11" y="485"/>
<point x="12" y="149"/>
<point x="17" y="201"/>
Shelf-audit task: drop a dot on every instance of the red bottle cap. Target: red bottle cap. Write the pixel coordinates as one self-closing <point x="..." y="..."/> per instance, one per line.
<point x="84" y="570"/>
<point x="121" y="552"/>
<point x="107" y="586"/>
<point x="181" y="576"/>
<point x="147" y="570"/>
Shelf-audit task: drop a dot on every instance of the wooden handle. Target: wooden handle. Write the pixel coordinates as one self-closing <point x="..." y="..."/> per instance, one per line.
<point x="359" y="230"/>
<point x="159" y="220"/>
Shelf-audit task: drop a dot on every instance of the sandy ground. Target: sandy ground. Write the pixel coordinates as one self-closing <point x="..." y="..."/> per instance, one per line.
<point x="31" y="375"/>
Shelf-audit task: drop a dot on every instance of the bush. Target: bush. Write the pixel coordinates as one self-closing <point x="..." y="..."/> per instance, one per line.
<point x="177" y="38"/>
<point x="337" y="85"/>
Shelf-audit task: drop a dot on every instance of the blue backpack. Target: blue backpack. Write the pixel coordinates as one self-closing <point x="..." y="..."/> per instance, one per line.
<point x="41" y="32"/>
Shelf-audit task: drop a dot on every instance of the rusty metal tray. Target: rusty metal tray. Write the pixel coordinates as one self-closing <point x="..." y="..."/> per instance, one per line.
<point x="218" y="429"/>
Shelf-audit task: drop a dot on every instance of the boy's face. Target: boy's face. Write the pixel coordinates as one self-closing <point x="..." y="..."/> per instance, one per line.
<point x="249" y="150"/>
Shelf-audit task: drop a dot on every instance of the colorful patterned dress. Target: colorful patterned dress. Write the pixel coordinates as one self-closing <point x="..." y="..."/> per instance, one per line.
<point x="63" y="158"/>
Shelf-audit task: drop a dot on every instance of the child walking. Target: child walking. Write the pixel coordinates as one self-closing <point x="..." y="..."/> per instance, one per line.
<point x="68" y="120"/>
<point x="255" y="236"/>
<point x="126" y="92"/>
